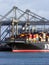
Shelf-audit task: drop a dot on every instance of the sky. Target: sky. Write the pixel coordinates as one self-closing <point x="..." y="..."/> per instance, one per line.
<point x="41" y="7"/>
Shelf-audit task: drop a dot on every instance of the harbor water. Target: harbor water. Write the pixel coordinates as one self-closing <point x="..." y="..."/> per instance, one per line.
<point x="10" y="58"/>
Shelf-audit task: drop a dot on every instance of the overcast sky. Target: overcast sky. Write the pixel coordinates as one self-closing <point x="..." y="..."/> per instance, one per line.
<point x="40" y="7"/>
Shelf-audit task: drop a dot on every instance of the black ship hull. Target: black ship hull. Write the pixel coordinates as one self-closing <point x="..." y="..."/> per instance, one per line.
<point x="29" y="47"/>
<point x="26" y="47"/>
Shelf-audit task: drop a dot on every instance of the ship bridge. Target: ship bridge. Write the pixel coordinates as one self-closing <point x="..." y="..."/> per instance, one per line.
<point x="16" y="19"/>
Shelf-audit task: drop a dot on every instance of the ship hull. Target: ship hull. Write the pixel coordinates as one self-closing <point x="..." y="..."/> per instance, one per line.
<point x="29" y="47"/>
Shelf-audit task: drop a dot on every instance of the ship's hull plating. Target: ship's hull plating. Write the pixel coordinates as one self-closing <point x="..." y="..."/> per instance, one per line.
<point x="29" y="47"/>
<point x="26" y="47"/>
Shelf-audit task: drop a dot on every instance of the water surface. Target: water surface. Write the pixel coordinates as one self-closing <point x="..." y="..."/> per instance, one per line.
<point x="9" y="58"/>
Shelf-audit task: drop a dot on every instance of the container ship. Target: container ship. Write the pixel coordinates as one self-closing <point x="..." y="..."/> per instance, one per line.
<point x="27" y="39"/>
<point x="29" y="42"/>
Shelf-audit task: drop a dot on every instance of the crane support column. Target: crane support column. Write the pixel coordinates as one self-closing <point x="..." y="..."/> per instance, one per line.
<point x="13" y="28"/>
